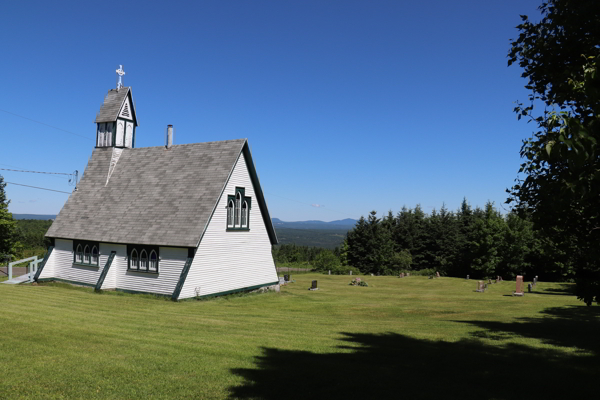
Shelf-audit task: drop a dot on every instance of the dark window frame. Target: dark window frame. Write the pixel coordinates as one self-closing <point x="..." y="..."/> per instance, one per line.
<point x="83" y="244"/>
<point x="139" y="248"/>
<point x="237" y="211"/>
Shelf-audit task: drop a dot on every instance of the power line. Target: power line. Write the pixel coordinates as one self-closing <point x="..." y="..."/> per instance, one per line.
<point x="35" y="172"/>
<point x="43" y="123"/>
<point x="35" y="187"/>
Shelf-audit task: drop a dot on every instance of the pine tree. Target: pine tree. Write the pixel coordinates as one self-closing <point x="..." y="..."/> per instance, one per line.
<point x="8" y="225"/>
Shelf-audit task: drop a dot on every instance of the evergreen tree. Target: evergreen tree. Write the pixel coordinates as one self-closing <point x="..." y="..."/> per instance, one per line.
<point x="7" y="224"/>
<point x="486" y="241"/>
<point x="370" y="246"/>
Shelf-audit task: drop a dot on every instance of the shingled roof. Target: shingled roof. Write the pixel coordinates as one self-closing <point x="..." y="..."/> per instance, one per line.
<point x="112" y="105"/>
<point x="155" y="196"/>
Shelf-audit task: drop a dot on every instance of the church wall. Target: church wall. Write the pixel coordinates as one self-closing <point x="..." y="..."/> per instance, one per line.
<point x="232" y="260"/>
<point x="110" y="281"/>
<point x="65" y="269"/>
<point x="171" y="262"/>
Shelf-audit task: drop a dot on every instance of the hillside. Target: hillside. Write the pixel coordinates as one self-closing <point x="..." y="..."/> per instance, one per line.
<point x="34" y="216"/>
<point x="327" y="238"/>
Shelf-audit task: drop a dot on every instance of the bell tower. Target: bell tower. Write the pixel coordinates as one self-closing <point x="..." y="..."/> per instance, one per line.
<point x="116" y="121"/>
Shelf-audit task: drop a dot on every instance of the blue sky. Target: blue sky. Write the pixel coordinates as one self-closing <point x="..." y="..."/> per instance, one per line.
<point x="349" y="106"/>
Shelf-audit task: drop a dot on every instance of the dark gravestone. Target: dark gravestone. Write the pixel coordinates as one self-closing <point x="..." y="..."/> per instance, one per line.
<point x="286" y="278"/>
<point x="529" y="288"/>
<point x="314" y="286"/>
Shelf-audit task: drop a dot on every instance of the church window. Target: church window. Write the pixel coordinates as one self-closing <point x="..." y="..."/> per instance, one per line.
<point x="230" y="211"/>
<point x="244" y="215"/>
<point x="143" y="258"/>
<point x="86" y="253"/>
<point x="79" y="254"/>
<point x="95" y="255"/>
<point x="238" y="198"/>
<point x="133" y="260"/>
<point x="153" y="267"/>
<point x="238" y="210"/>
<point x="143" y="261"/>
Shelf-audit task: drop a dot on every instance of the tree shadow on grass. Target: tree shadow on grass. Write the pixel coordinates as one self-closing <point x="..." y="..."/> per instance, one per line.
<point x="573" y="326"/>
<point x="563" y="290"/>
<point x="394" y="366"/>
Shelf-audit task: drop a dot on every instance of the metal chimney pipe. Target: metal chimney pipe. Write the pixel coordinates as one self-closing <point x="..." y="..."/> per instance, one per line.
<point x="169" y="136"/>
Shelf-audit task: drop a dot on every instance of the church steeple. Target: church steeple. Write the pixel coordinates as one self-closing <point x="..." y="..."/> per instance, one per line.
<point x="116" y="121"/>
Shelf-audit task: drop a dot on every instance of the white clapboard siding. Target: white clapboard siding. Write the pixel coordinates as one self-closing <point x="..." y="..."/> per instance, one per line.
<point x="172" y="260"/>
<point x="110" y="282"/>
<point x="65" y="269"/>
<point x="48" y="271"/>
<point x="232" y="260"/>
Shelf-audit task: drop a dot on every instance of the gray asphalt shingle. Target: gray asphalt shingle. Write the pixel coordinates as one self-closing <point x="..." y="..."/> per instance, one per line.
<point x="112" y="105"/>
<point x="152" y="191"/>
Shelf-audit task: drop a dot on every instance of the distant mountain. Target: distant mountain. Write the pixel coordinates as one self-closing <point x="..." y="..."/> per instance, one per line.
<point x="34" y="216"/>
<point x="344" y="224"/>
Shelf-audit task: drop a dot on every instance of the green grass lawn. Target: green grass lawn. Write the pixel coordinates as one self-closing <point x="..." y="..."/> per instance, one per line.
<point x="398" y="338"/>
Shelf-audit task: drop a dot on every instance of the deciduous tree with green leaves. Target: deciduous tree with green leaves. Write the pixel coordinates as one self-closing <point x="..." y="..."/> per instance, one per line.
<point x="560" y="184"/>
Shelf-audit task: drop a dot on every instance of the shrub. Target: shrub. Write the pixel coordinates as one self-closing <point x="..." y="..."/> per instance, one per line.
<point x="358" y="282"/>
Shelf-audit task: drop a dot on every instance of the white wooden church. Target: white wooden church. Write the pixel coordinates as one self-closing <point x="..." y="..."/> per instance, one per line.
<point x="183" y="221"/>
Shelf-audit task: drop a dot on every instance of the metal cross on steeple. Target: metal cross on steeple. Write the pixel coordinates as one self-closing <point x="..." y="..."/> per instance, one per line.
<point x="120" y="73"/>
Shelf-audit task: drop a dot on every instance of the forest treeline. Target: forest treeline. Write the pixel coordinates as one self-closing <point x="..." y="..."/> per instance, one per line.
<point x="29" y="235"/>
<point x="480" y="242"/>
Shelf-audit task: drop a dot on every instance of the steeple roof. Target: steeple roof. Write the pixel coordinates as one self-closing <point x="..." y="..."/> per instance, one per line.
<point x="113" y="102"/>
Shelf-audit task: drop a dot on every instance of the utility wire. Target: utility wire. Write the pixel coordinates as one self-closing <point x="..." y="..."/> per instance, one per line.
<point x="42" y="123"/>
<point x="35" y="172"/>
<point x="35" y="187"/>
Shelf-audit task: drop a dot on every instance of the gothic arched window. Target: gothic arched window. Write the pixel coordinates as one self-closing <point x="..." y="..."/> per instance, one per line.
<point x="95" y="255"/>
<point x="153" y="267"/>
<point x="79" y="254"/>
<point x="133" y="259"/>
<point x="143" y="261"/>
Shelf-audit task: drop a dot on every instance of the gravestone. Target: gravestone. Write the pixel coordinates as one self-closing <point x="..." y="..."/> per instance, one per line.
<point x="480" y="287"/>
<point x="313" y="286"/>
<point x="350" y="272"/>
<point x="286" y="278"/>
<point x="497" y="281"/>
<point x="408" y="274"/>
<point x="467" y="277"/>
<point x="519" y="287"/>
<point x="529" y="287"/>
<point x="281" y="280"/>
<point x="329" y="272"/>
<point x="490" y="281"/>
<point x="437" y="274"/>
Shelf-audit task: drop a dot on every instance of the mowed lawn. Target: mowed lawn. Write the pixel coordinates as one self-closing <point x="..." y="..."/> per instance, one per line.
<point x="398" y="338"/>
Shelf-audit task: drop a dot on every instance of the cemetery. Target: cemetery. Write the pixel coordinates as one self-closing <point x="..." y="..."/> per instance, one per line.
<point x="340" y="341"/>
